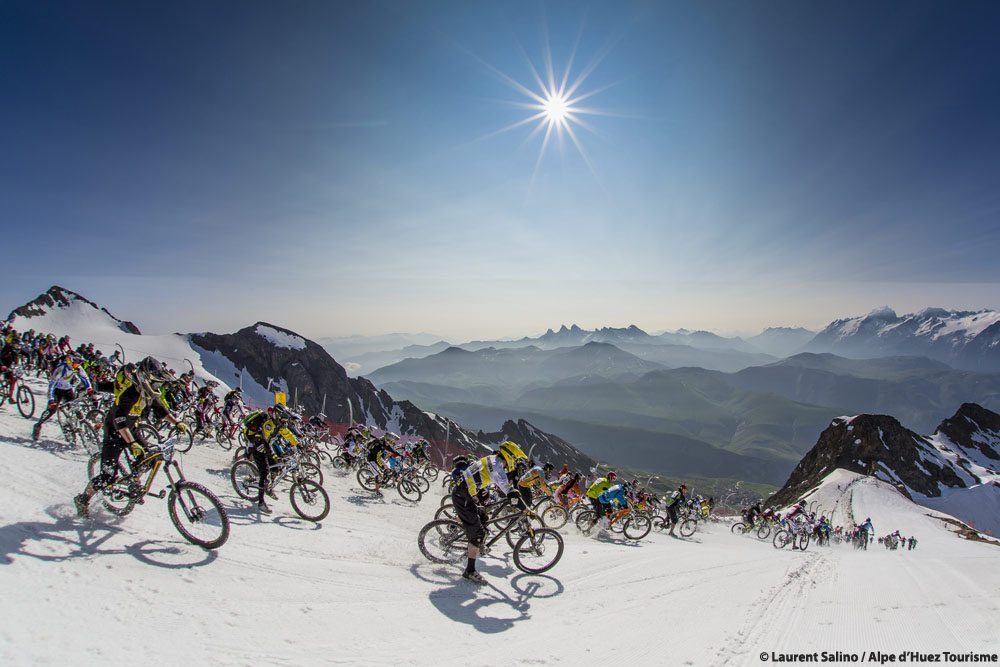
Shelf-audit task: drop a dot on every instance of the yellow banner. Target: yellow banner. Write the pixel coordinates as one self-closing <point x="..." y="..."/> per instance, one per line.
<point x="280" y="398"/>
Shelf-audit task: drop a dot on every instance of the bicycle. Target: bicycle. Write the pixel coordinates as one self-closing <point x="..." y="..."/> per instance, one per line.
<point x="198" y="506"/>
<point x="404" y="481"/>
<point x="14" y="390"/>
<point x="795" y="534"/>
<point x="304" y="493"/>
<point x="537" y="550"/>
<point x="81" y="423"/>
<point x="633" y="525"/>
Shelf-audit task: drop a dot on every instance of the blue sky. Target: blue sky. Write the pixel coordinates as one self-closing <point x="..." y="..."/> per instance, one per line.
<point x="332" y="167"/>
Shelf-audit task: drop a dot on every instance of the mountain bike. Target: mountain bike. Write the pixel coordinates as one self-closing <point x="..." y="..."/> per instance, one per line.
<point x="14" y="390"/>
<point x="81" y="423"/>
<point x="403" y="479"/>
<point x="194" y="510"/>
<point x="309" y="500"/>
<point x="795" y="534"/>
<point x="536" y="550"/>
<point x="633" y="525"/>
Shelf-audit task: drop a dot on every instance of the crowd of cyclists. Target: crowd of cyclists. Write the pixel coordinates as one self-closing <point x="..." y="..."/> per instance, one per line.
<point x="134" y="408"/>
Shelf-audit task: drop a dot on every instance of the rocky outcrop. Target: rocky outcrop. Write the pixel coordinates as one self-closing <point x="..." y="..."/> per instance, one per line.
<point x="976" y="431"/>
<point x="873" y="445"/>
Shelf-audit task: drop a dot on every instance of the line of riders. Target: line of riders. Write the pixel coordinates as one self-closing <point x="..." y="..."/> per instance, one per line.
<point x="482" y="490"/>
<point x="799" y="526"/>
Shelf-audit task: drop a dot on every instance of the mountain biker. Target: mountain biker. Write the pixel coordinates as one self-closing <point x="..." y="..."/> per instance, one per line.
<point x="531" y="478"/>
<point x="751" y="513"/>
<point x="495" y="470"/>
<point x="262" y="429"/>
<point x="600" y="485"/>
<point x="570" y="485"/>
<point x="677" y="498"/>
<point x="135" y="387"/>
<point x="798" y="510"/>
<point x="9" y="356"/>
<point x="383" y="459"/>
<point x="614" y="498"/>
<point x="232" y="403"/>
<point x="63" y="383"/>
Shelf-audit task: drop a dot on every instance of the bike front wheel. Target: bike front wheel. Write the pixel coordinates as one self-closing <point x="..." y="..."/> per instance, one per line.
<point x="637" y="527"/>
<point x="781" y="539"/>
<point x="366" y="478"/>
<point x="688" y="526"/>
<point x="245" y="479"/>
<point x="309" y="500"/>
<point x="764" y="531"/>
<point x="409" y="490"/>
<point x="538" y="551"/>
<point x="25" y="399"/>
<point x="198" y="515"/>
<point x="554" y="517"/>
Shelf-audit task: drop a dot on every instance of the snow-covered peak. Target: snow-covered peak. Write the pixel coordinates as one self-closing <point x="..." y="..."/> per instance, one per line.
<point x="280" y="337"/>
<point x="59" y="308"/>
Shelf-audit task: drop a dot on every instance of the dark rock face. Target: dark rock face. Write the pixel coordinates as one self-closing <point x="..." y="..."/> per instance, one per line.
<point x="310" y="373"/>
<point x="60" y="297"/>
<point x="872" y="444"/>
<point x="974" y="428"/>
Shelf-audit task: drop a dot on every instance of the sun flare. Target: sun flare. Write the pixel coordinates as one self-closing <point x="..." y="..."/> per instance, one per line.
<point x="556" y="108"/>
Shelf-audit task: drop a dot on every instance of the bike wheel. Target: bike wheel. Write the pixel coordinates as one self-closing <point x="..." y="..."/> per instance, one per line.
<point x="223" y="438"/>
<point x="421" y="483"/>
<point x="183" y="440"/>
<point x="25" y="399"/>
<point x="781" y="539"/>
<point x="554" y="517"/>
<point x="91" y="439"/>
<point x="309" y="500"/>
<point x="688" y="526"/>
<point x="585" y="521"/>
<point x="443" y="541"/>
<point x="520" y="526"/>
<point x="366" y="478"/>
<point x="764" y="531"/>
<point x="637" y="527"/>
<point x="118" y="497"/>
<point x="431" y="473"/>
<point x="803" y="541"/>
<point x="446" y="512"/>
<point x="538" y="551"/>
<point x="340" y="464"/>
<point x="201" y="518"/>
<point x="311" y="471"/>
<point x="408" y="489"/>
<point x="245" y="479"/>
<point x="739" y="528"/>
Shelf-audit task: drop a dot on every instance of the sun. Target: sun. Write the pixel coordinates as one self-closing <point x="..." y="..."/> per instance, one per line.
<point x="556" y="108"/>
<point x="553" y="101"/>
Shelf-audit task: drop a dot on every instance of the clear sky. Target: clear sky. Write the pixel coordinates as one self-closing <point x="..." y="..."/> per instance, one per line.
<point x="336" y="167"/>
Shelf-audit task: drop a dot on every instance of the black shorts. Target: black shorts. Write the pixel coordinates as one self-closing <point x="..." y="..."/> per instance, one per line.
<point x="470" y="514"/>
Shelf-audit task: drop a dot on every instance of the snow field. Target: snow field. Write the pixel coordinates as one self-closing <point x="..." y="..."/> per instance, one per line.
<point x="355" y="589"/>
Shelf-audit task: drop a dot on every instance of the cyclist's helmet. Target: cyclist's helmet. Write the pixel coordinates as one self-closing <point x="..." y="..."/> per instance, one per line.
<point x="511" y="453"/>
<point x="459" y="460"/>
<point x="548" y="467"/>
<point x="612" y="476"/>
<point x="684" y="487"/>
<point x="801" y="503"/>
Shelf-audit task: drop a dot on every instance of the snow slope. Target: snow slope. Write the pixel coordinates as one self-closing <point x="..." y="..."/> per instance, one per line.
<point x="355" y="589"/>
<point x="85" y="323"/>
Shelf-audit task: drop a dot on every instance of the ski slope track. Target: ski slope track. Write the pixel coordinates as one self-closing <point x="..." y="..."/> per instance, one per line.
<point x="355" y="589"/>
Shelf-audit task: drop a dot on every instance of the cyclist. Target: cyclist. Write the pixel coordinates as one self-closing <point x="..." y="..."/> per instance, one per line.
<point x="600" y="485"/>
<point x="232" y="403"/>
<point x="677" y="498"/>
<point x="9" y="356"/>
<point x="567" y="487"/>
<point x="531" y="478"/>
<point x="495" y="470"/>
<point x="63" y="383"/>
<point x="383" y="459"/>
<point x="262" y="430"/>
<point x="614" y="498"/>
<point x="135" y="387"/>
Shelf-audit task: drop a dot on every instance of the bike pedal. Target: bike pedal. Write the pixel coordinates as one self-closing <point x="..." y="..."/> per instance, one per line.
<point x="161" y="494"/>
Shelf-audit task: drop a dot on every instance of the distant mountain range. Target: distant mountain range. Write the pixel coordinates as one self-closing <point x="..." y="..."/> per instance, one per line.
<point x="964" y="339"/>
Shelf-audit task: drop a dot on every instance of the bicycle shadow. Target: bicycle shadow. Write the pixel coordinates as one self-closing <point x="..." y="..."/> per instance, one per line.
<point x="365" y="501"/>
<point x="67" y="537"/>
<point x="61" y="449"/>
<point x="248" y="515"/>
<point x="464" y="602"/>
<point x="612" y="538"/>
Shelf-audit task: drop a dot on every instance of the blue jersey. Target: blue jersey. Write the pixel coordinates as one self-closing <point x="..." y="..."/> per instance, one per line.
<point x="613" y="496"/>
